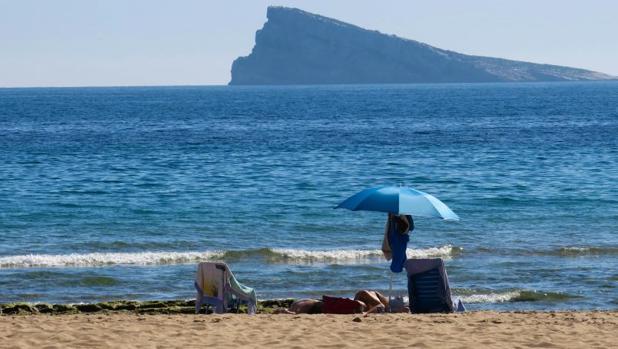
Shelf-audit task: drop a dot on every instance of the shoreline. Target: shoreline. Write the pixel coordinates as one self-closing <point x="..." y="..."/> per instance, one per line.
<point x="167" y="307"/>
<point x="485" y="329"/>
<point x="160" y="307"/>
<point x="179" y="306"/>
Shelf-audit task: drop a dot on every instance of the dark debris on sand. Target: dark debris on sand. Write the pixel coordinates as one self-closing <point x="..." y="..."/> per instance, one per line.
<point x="143" y="307"/>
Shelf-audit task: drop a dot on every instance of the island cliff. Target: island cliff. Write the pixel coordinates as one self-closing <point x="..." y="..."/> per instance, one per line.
<point x="297" y="47"/>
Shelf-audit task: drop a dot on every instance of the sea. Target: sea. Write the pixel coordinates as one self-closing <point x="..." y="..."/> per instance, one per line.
<point x="117" y="193"/>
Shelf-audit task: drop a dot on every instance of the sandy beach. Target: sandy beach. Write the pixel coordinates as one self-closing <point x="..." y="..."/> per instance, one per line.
<point x="470" y="330"/>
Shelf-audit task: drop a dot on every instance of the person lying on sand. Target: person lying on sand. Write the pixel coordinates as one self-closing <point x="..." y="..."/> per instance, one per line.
<point x="302" y="306"/>
<point x="368" y="302"/>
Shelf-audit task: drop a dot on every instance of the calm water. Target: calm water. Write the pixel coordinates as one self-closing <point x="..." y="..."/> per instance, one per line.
<point x="116" y="193"/>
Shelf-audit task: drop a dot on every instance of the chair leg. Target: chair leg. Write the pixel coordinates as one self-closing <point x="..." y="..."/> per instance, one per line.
<point x="219" y="308"/>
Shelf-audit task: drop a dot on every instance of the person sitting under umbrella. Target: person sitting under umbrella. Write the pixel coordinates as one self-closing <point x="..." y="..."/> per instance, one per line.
<point x="396" y="237"/>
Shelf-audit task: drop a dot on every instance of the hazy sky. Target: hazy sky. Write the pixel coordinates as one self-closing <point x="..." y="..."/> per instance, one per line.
<point x="181" y="42"/>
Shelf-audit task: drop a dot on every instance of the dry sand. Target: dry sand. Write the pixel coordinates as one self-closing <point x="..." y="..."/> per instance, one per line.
<point x="470" y="330"/>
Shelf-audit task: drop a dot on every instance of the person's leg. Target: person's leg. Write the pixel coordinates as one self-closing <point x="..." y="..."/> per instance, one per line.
<point x="317" y="308"/>
<point x="304" y="306"/>
<point x="282" y="311"/>
<point x="370" y="298"/>
<point x="383" y="300"/>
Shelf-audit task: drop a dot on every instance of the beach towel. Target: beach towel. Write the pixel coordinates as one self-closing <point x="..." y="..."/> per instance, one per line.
<point x="395" y="241"/>
<point x="386" y="248"/>
<point x="337" y="305"/>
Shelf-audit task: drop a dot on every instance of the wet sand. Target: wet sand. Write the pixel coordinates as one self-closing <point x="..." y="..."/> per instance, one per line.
<point x="469" y="330"/>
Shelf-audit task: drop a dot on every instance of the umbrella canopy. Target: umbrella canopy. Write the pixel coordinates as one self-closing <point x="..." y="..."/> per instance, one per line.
<point x="399" y="200"/>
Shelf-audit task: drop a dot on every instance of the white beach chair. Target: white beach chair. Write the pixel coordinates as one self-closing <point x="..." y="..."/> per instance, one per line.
<point x="216" y="286"/>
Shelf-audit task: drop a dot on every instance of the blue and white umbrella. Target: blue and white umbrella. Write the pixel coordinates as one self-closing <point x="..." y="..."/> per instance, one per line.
<point x="399" y="200"/>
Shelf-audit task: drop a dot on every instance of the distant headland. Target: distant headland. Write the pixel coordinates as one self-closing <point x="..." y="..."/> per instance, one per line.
<point x="298" y="47"/>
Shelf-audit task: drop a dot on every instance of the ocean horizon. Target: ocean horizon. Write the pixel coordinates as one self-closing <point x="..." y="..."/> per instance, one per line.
<point x="113" y="193"/>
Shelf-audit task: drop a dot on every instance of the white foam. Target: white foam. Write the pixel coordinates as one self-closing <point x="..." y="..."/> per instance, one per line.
<point x="160" y="258"/>
<point x="446" y="252"/>
<point x="576" y="249"/>
<point x="102" y="259"/>
<point x="360" y="255"/>
<point x="593" y="250"/>
<point x="326" y="255"/>
<point x="490" y="297"/>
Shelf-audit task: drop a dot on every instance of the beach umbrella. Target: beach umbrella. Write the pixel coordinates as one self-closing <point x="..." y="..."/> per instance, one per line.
<point x="398" y="200"/>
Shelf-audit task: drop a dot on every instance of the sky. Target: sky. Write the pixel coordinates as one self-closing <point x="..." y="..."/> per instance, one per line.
<point x="193" y="42"/>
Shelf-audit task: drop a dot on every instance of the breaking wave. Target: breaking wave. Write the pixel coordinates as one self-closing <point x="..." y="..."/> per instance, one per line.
<point x="513" y="296"/>
<point x="584" y="251"/>
<point x="447" y="251"/>
<point x="103" y="259"/>
<point x="276" y="255"/>
<point x="566" y="251"/>
<point x="490" y="297"/>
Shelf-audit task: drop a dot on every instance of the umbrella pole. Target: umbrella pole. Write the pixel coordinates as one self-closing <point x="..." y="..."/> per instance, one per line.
<point x="390" y="292"/>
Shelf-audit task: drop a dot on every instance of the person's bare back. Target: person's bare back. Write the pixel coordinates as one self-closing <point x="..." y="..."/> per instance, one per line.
<point x="368" y="302"/>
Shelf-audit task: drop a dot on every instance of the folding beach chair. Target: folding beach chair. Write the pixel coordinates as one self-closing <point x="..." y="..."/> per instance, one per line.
<point x="217" y="287"/>
<point x="428" y="287"/>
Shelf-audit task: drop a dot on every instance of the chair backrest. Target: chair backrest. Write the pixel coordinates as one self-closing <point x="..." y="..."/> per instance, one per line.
<point x="212" y="278"/>
<point x="428" y="288"/>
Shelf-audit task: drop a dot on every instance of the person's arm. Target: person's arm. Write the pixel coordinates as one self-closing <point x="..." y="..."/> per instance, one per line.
<point x="375" y="309"/>
<point x="383" y="299"/>
<point x="283" y="311"/>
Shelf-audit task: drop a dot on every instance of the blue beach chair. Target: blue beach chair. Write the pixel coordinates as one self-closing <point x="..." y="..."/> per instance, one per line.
<point x="428" y="287"/>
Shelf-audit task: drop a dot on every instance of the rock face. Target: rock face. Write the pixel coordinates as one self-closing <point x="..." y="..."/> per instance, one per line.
<point x="297" y="47"/>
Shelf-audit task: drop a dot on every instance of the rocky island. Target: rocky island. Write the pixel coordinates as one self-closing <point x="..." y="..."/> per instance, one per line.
<point x="297" y="47"/>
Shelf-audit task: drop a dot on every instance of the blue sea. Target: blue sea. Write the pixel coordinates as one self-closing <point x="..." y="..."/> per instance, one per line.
<point x="117" y="193"/>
